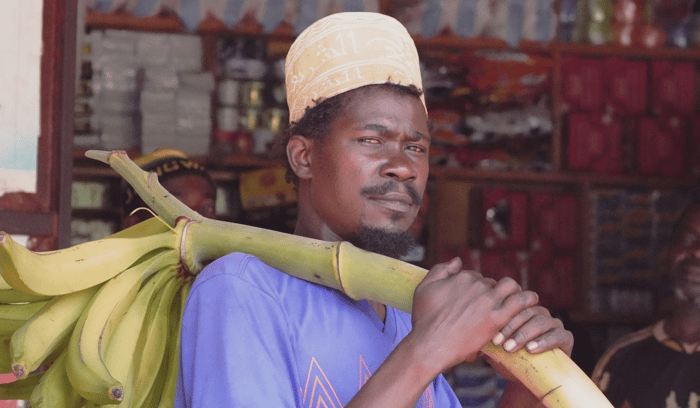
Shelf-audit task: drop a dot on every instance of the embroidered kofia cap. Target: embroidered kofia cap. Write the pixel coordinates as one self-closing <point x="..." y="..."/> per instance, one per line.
<point x="346" y="51"/>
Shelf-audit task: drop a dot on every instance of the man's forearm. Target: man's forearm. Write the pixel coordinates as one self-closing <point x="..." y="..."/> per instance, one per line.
<point x="399" y="381"/>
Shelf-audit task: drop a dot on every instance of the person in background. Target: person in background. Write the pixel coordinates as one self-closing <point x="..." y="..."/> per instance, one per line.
<point x="659" y="366"/>
<point x="357" y="150"/>
<point x="181" y="176"/>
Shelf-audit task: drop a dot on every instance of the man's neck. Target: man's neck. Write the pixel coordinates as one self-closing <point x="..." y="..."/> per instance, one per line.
<point x="380" y="309"/>
<point x="684" y="324"/>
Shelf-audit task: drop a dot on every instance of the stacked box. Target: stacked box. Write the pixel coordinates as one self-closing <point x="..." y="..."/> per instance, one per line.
<point x="595" y="143"/>
<point x="661" y="146"/>
<point x="673" y="89"/>
<point x="151" y="91"/>
<point x="625" y="85"/>
<point x="116" y="75"/>
<point x="582" y="84"/>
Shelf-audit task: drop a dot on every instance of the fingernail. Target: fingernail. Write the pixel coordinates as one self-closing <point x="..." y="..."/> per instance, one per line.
<point x="510" y="345"/>
<point x="498" y="339"/>
<point x="531" y="345"/>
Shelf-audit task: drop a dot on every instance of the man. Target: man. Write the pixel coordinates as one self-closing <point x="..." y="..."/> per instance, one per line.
<point x="357" y="149"/>
<point x="659" y="366"/>
<point x="183" y="177"/>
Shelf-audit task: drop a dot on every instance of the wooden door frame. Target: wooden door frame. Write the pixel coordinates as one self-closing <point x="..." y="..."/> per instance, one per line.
<point x="58" y="61"/>
<point x="55" y="144"/>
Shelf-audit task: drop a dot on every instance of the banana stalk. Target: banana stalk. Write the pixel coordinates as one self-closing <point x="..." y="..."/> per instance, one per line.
<point x="551" y="376"/>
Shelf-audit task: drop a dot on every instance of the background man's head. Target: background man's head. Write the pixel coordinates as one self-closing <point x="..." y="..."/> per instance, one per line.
<point x="682" y="257"/>
<point x="181" y="176"/>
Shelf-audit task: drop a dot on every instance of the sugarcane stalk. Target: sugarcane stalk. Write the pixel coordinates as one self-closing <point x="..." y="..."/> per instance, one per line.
<point x="551" y="376"/>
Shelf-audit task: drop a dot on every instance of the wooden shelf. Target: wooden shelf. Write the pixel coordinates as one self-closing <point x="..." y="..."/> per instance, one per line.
<point x="458" y="43"/>
<point x="596" y="180"/>
<point x="285" y="32"/>
<point x="590" y="50"/>
<point x="172" y="24"/>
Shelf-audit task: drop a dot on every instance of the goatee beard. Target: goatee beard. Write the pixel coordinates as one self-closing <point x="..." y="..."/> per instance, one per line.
<point x="393" y="244"/>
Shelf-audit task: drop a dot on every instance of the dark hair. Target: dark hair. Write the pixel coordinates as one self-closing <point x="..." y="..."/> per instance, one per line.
<point x="317" y="120"/>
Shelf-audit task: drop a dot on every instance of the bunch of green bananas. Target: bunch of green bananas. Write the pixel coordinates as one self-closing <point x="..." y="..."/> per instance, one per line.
<point x="106" y="314"/>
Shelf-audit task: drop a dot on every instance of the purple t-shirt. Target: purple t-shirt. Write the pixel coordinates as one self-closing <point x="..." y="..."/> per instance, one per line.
<point x="253" y="336"/>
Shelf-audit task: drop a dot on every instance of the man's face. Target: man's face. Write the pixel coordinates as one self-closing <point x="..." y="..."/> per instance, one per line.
<point x="372" y="169"/>
<point x="683" y="257"/>
<point x="194" y="191"/>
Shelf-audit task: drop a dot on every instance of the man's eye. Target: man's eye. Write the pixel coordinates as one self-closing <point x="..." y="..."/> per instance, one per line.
<point x="417" y="148"/>
<point x="371" y="140"/>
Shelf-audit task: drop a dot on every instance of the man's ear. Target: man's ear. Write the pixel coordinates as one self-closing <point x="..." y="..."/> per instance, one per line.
<point x="299" y="152"/>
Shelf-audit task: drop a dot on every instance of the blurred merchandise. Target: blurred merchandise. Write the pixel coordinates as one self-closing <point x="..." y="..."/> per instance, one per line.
<point x="600" y="14"/>
<point x="92" y="195"/>
<point x="490" y="109"/>
<point x="629" y="230"/>
<point x="266" y="188"/>
<point x="582" y="83"/>
<point x="130" y="93"/>
<point x="508" y="20"/>
<point x="595" y="143"/>
<point x="661" y="146"/>
<point x="625" y="84"/>
<point x="85" y="231"/>
<point x="505" y="218"/>
<point x="674" y="89"/>
<point x="476" y="384"/>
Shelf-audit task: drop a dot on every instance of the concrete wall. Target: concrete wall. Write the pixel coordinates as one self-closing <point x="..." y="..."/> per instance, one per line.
<point x="20" y="59"/>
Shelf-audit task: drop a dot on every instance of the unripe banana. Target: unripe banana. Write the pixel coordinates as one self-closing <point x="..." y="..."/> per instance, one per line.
<point x="167" y="398"/>
<point x="20" y="389"/>
<point x="5" y="358"/>
<point x="54" y="390"/>
<point x="121" y="355"/>
<point x="9" y="295"/>
<point x="46" y="330"/>
<point x="152" y="344"/>
<point x="85" y="365"/>
<point x="81" y="266"/>
<point x="13" y="316"/>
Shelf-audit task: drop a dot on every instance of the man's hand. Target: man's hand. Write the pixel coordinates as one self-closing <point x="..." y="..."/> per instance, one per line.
<point x="455" y="312"/>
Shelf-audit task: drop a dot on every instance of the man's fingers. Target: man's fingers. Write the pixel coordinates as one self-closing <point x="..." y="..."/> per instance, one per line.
<point x="561" y="338"/>
<point x="535" y="329"/>
<point x="443" y="270"/>
<point x="520" y="305"/>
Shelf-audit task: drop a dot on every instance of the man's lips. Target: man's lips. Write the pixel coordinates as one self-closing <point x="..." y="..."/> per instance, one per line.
<point x="395" y="201"/>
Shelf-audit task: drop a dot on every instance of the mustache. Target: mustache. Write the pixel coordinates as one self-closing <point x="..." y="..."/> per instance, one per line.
<point x="416" y="198"/>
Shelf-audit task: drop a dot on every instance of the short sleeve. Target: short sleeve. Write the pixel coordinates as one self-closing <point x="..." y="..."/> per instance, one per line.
<point x="236" y="348"/>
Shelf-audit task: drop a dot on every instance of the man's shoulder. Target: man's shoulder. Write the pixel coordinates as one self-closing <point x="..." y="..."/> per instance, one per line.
<point x="624" y="351"/>
<point x="242" y="272"/>
<point x="239" y="266"/>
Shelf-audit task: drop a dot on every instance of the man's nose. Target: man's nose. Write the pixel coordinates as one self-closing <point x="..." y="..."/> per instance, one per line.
<point x="399" y="166"/>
